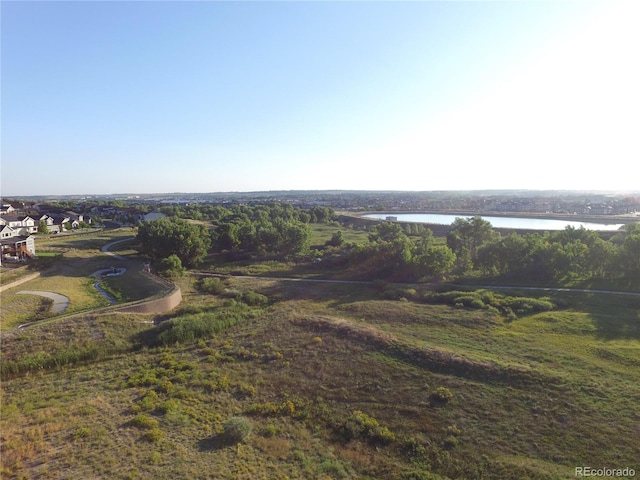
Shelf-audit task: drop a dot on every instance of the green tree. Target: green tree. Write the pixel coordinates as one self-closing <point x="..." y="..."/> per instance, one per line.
<point x="630" y="254"/>
<point x="470" y="234"/>
<point x="42" y="227"/>
<point x="337" y="239"/>
<point x="173" y="236"/>
<point x="437" y="261"/>
<point x="171" y="267"/>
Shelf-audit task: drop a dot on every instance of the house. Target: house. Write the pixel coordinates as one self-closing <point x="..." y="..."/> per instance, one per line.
<point x="76" y="218"/>
<point x="18" y="248"/>
<point x="6" y="209"/>
<point x="24" y="225"/>
<point x="16" y="242"/>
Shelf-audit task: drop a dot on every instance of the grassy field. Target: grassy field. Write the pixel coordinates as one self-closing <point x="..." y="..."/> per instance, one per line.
<point x="335" y="381"/>
<point x="321" y="380"/>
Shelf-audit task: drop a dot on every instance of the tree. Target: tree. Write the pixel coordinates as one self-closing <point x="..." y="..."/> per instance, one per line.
<point x="437" y="261"/>
<point x="470" y="234"/>
<point x="171" y="266"/>
<point x="337" y="239"/>
<point x="630" y="254"/>
<point x="173" y="236"/>
<point x="42" y="227"/>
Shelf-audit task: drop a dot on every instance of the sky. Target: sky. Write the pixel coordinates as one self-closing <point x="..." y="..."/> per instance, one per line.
<point x="210" y="96"/>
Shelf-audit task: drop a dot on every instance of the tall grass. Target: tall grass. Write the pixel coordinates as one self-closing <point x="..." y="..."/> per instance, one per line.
<point x="191" y="327"/>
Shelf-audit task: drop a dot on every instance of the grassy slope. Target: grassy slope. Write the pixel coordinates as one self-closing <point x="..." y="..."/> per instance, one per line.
<point x="570" y="397"/>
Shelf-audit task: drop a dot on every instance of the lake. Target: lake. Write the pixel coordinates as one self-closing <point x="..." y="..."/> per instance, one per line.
<point x="498" y="222"/>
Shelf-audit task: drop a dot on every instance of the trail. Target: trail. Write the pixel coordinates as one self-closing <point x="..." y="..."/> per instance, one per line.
<point x="105" y="248"/>
<point x="60" y="302"/>
<point x="362" y="282"/>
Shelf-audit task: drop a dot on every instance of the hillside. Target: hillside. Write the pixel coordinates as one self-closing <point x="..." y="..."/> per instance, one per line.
<point x="336" y="382"/>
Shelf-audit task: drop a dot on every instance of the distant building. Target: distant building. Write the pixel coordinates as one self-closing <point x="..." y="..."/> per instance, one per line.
<point x="391" y="219"/>
<point x="6" y="208"/>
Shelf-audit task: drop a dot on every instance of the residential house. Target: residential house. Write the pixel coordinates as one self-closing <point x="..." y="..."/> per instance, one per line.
<point x="16" y="241"/>
<point x="56" y="223"/>
<point x="6" y="209"/>
<point x="24" y="224"/>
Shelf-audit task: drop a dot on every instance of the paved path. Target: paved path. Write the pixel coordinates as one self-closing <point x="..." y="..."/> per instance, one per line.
<point x="106" y="248"/>
<point x="60" y="302"/>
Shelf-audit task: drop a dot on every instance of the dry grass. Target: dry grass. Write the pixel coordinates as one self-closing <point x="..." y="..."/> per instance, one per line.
<point x="531" y="398"/>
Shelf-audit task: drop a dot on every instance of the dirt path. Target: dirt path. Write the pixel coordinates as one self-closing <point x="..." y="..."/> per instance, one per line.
<point x="19" y="282"/>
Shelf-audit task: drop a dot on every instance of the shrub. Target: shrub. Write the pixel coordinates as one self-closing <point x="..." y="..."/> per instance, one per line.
<point x="470" y="301"/>
<point x="154" y="435"/>
<point x="441" y="395"/>
<point x="359" y="424"/>
<point x="236" y="429"/>
<point x="144" y="422"/>
<point x="270" y="430"/>
<point x="171" y="267"/>
<point x="254" y="299"/>
<point x="212" y="285"/>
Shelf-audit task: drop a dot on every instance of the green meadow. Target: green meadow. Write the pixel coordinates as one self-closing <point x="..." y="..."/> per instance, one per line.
<point x="271" y="378"/>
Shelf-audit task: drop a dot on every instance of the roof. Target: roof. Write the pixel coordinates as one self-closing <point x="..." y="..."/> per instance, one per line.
<point x="14" y="240"/>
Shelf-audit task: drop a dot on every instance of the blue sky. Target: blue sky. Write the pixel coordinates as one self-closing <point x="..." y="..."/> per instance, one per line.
<point x="149" y="97"/>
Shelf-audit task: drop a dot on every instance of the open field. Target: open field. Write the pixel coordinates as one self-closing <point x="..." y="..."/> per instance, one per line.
<point x="336" y="381"/>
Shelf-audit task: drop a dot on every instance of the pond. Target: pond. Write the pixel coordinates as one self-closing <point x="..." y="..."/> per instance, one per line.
<point x="499" y="222"/>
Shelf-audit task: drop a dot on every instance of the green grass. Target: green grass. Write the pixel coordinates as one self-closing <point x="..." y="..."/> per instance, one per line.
<point x="321" y="233"/>
<point x="335" y="380"/>
<point x="18" y="309"/>
<point x="77" y="257"/>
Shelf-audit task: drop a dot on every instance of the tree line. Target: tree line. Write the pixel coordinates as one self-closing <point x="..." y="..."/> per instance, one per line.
<point x="401" y="252"/>
<point x="473" y="247"/>
<point x="275" y="229"/>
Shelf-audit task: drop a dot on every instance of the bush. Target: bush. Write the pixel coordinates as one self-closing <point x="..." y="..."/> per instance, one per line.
<point x="441" y="395"/>
<point x="254" y="299"/>
<point x="470" y="301"/>
<point x="509" y="306"/>
<point x="212" y="285"/>
<point x="171" y="267"/>
<point x="144" y="422"/>
<point x="154" y="435"/>
<point x="361" y="425"/>
<point x="236" y="429"/>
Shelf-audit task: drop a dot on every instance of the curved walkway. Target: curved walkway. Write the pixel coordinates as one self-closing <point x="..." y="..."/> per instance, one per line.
<point x="105" y="249"/>
<point x="60" y="302"/>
